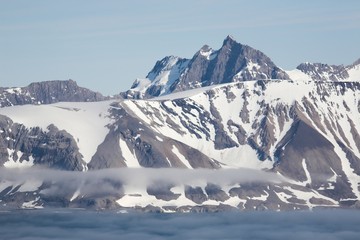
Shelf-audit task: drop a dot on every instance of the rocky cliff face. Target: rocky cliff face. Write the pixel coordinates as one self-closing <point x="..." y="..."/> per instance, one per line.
<point x="324" y="72"/>
<point x="46" y="93"/>
<point x="233" y="62"/>
<point x="51" y="148"/>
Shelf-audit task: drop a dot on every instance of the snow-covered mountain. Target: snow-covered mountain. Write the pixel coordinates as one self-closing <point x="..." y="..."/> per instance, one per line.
<point x="227" y="129"/>
<point x="233" y="62"/>
<point x="326" y="72"/>
<point x="306" y="132"/>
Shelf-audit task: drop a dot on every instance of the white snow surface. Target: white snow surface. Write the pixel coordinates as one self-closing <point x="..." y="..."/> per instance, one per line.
<point x="210" y="54"/>
<point x="86" y="122"/>
<point x="354" y="73"/>
<point x="181" y="157"/>
<point x="18" y="164"/>
<point x="308" y="177"/>
<point x="130" y="158"/>
<point x="13" y="90"/>
<point x="298" y="75"/>
<point x="142" y="85"/>
<point x="32" y="204"/>
<point x="184" y="94"/>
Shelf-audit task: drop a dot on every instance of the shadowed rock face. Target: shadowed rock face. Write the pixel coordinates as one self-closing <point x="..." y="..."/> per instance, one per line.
<point x="51" y="148"/>
<point x="151" y="149"/>
<point x="324" y="72"/>
<point x="162" y="191"/>
<point x="46" y="93"/>
<point x="195" y="194"/>
<point x="215" y="192"/>
<point x="233" y="62"/>
<point x="304" y="145"/>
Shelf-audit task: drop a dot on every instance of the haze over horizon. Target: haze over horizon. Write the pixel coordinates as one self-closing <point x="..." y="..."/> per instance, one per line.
<point x="105" y="46"/>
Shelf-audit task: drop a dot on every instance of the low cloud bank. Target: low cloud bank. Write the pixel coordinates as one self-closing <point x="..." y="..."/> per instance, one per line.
<point x="143" y="175"/>
<point x="111" y="180"/>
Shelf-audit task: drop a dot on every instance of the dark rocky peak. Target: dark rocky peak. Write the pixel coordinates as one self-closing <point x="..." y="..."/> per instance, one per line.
<point x="48" y="92"/>
<point x="242" y="50"/>
<point x="324" y="72"/>
<point x="229" y="40"/>
<point x="233" y="62"/>
<point x="57" y="91"/>
<point x="205" y="48"/>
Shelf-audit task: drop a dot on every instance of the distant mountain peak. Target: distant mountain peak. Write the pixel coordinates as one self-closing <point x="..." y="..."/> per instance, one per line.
<point x="207" y="52"/>
<point x="229" y="38"/>
<point x="205" y="48"/>
<point x="47" y="92"/>
<point x="233" y="62"/>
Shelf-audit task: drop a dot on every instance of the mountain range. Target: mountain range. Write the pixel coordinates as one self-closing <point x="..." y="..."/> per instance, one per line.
<point x="294" y="137"/>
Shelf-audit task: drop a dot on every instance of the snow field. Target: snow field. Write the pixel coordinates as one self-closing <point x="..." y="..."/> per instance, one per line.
<point x="86" y="122"/>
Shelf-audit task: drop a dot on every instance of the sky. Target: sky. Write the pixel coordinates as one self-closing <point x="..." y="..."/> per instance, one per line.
<point x="105" y="45"/>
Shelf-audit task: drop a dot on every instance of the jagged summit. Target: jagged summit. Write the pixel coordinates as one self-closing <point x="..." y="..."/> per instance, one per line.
<point x="233" y="62"/>
<point x="205" y="48"/>
<point x="229" y="38"/>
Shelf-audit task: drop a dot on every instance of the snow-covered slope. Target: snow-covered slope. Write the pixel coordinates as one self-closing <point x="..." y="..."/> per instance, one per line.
<point x="354" y="71"/>
<point x="86" y="122"/>
<point x="240" y="107"/>
<point x="160" y="79"/>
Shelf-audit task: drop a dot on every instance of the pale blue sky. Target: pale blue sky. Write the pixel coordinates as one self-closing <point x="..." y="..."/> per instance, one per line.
<point x="105" y="44"/>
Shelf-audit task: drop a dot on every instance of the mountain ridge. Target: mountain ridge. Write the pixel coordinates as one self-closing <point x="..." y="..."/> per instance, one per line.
<point x="326" y="72"/>
<point x="47" y="92"/>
